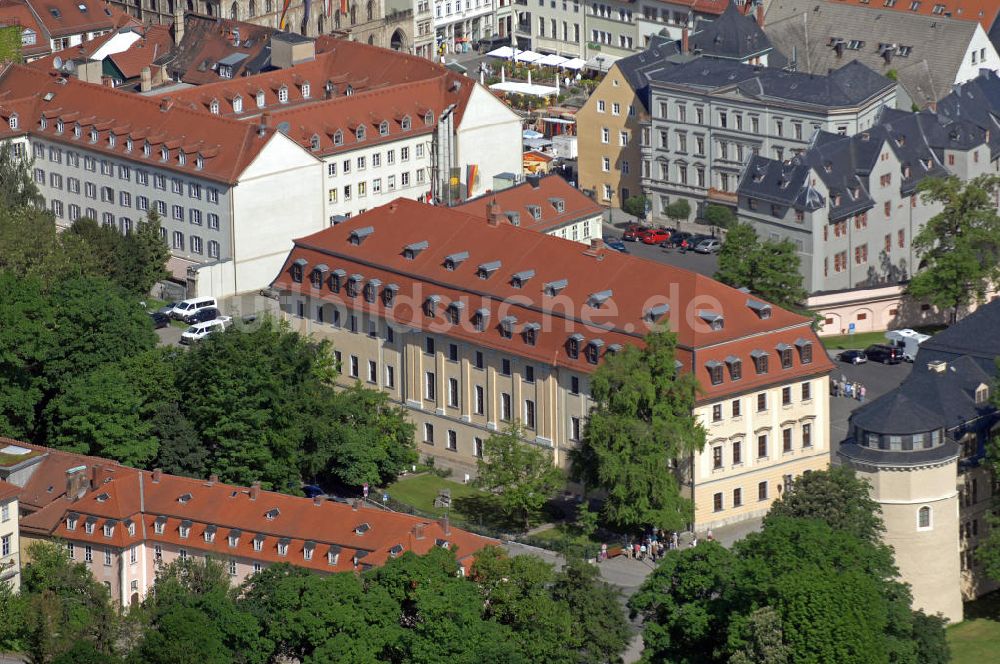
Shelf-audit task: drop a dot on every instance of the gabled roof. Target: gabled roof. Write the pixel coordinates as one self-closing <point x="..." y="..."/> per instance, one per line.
<point x="157" y="40"/>
<point x="982" y="11"/>
<point x="633" y="285"/>
<point x="977" y="101"/>
<point x="62" y="18"/>
<point x="541" y="193"/>
<point x="882" y="39"/>
<point x="208" y="40"/>
<point x="732" y="35"/>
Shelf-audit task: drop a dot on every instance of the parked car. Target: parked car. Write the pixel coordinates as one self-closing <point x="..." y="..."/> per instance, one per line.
<point x="159" y="319"/>
<point x="616" y="244"/>
<point x="709" y="246"/>
<point x="633" y="232"/>
<point x="853" y="357"/>
<point x="199" y="331"/>
<point x="655" y="236"/>
<point x="676" y="239"/>
<point x="187" y="307"/>
<point x="884" y="354"/>
<point x="202" y="315"/>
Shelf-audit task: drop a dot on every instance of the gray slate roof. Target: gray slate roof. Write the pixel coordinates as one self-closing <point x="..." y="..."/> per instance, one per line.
<point x="732" y="36"/>
<point x="927" y="67"/>
<point x="662" y="53"/>
<point x="976" y="101"/>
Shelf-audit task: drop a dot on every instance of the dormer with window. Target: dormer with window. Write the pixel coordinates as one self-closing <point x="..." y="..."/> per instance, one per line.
<point x="93" y="135"/>
<point x="530" y="333"/>
<point x="353" y="288"/>
<point x="164" y="154"/>
<point x="405" y="123"/>
<point x="553" y="288"/>
<point x="486" y="270"/>
<point x="283" y="94"/>
<point x="317" y="275"/>
<point x="573" y="345"/>
<point x="362" y="528"/>
<point x="112" y="140"/>
<point x="454" y="312"/>
<point x="395" y="551"/>
<point x="128" y="145"/>
<point x="759" y="358"/>
<point x="338" y="137"/>
<point x="521" y="278"/>
<point x="307" y="550"/>
<point x="558" y="204"/>
<point x="359" y="133"/>
<point x="306" y="90"/>
<point x="430" y="305"/>
<point x="272" y="514"/>
<point x="88" y="525"/>
<point x="337" y="279"/>
<point x="735" y="365"/>
<point x="429" y="118"/>
<point x="184" y="529"/>
<point x="535" y="211"/>
<point x="359" y="235"/>
<point x="656" y="312"/>
<point x="762" y="309"/>
<point x="109" y="527"/>
<point x="383" y="128"/>
<point x="181" y="158"/>
<point x="237" y="104"/>
<point x="130" y="527"/>
<point x="481" y="319"/>
<point x="712" y="319"/>
<point x="785" y="355"/>
<point x="258" y="542"/>
<point x="60" y="126"/>
<point x="296" y="270"/>
<point x="147" y="149"/>
<point x="513" y="217"/>
<point x="597" y="300"/>
<point x="714" y="371"/>
<point x="283" y="546"/>
<point x="71" y="520"/>
<point x="260" y="99"/>
<point x="213" y="107"/>
<point x="184" y="498"/>
<point x="159" y="525"/>
<point x="371" y="290"/>
<point x="389" y="295"/>
<point x="982" y="394"/>
<point x="413" y="249"/>
<point x="452" y="261"/>
<point x="77" y="131"/>
<point x="805" y="350"/>
<point x="507" y="325"/>
<point x="314" y="143"/>
<point x="593" y="351"/>
<point x="199" y="162"/>
<point x="333" y="555"/>
<point x="234" y="538"/>
<point x="210" y="533"/>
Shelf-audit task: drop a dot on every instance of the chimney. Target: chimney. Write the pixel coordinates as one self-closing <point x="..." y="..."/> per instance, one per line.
<point x="596" y="243"/>
<point x="418" y="531"/>
<point x="445" y="526"/>
<point x="938" y="366"/>
<point x="157" y="474"/>
<point x="76" y="483"/>
<point x="265" y="122"/>
<point x="99" y="475"/>
<point x="493" y="213"/>
<point x="760" y="15"/>
<point x="146" y="79"/>
<point x="685" y="46"/>
<point x="318" y="500"/>
<point x="534" y="180"/>
<point x="212" y="479"/>
<point x="356" y="504"/>
<point x="178" y="23"/>
<point x="166" y="104"/>
<point x="254" y="490"/>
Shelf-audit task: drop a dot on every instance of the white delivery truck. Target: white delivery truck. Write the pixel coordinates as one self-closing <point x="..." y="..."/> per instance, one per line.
<point x="907" y="340"/>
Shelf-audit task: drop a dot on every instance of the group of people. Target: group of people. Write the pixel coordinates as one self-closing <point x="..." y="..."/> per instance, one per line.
<point x="849" y="389"/>
<point x="652" y="546"/>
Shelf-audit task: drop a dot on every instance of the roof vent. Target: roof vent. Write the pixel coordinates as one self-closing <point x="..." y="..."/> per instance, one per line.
<point x="597" y="299"/>
<point x="413" y="250"/>
<point x="487" y="269"/>
<point x="554" y="287"/>
<point x="362" y="529"/>
<point x="521" y="278"/>
<point x="185" y="498"/>
<point x="653" y="314"/>
<point x="272" y="514"/>
<point x="358" y="235"/>
<point x="396" y="550"/>
<point x="937" y="366"/>
<point x="762" y="309"/>
<point x="452" y="261"/>
<point x="714" y="320"/>
<point x="103" y="498"/>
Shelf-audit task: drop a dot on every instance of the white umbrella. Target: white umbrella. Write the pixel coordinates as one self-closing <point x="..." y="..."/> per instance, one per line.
<point x="551" y="60"/>
<point x="527" y="56"/>
<point x="574" y="63"/>
<point x="502" y="52"/>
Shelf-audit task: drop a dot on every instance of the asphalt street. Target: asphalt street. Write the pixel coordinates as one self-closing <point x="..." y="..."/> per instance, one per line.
<point x="701" y="263"/>
<point x="877" y="379"/>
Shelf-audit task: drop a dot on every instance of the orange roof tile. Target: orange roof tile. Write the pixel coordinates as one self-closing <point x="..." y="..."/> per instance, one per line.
<point x="605" y="297"/>
<point x="207" y="40"/>
<point x="984" y="11"/>
<point x="157" y="41"/>
<point x="16" y="12"/>
<point x="550" y="189"/>
<point x="70" y="17"/>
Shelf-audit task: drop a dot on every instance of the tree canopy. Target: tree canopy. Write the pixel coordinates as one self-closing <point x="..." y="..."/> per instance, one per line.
<point x="640" y="428"/>
<point x="770" y="269"/>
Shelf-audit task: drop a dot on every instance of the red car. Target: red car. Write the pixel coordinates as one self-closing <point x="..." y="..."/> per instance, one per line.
<point x="655" y="236"/>
<point x="633" y="232"/>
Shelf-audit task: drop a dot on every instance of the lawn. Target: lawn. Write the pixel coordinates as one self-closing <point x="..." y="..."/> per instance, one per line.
<point x="864" y="339"/>
<point x="419" y="491"/>
<point x="977" y="639"/>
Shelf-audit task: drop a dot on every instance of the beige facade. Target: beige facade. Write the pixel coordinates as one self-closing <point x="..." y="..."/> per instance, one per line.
<point x="920" y="508"/>
<point x="608" y="132"/>
<point x="757" y="444"/>
<point x="10" y="545"/>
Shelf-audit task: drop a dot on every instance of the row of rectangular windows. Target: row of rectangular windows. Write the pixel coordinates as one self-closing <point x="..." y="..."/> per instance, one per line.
<point x="125" y="173"/>
<point x="361" y="188"/>
<point x="361" y="162"/>
<point x="763" y="446"/>
<point x="718" y="499"/>
<point x="786" y="400"/>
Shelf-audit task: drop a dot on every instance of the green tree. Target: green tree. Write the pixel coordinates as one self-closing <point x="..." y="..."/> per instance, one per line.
<point x="599" y="630"/>
<point x="761" y="639"/>
<point x="679" y="210"/>
<point x="635" y="206"/>
<point x="719" y="216"/>
<point x="143" y="256"/>
<point x="959" y="247"/>
<point x="836" y="496"/>
<point x="181" y="451"/>
<point x="519" y="475"/>
<point x="768" y="268"/>
<point x="17" y="186"/>
<point x="640" y="427"/>
<point x="24" y="345"/>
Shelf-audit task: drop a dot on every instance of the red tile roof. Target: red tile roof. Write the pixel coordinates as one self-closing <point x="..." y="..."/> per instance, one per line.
<point x="225" y="146"/>
<point x="207" y="40"/>
<point x="157" y="40"/>
<point x="16" y="12"/>
<point x="119" y="495"/>
<point x="8" y="491"/>
<point x="702" y="6"/>
<point x="82" y="50"/>
<point x="577" y="206"/>
<point x="629" y="292"/>
<point x="70" y="17"/>
<point x="984" y="11"/>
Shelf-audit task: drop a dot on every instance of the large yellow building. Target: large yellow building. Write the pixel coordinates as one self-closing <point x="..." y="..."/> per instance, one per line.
<point x="473" y="323"/>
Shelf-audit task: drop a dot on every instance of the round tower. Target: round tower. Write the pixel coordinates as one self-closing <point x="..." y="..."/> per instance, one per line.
<point x="912" y="465"/>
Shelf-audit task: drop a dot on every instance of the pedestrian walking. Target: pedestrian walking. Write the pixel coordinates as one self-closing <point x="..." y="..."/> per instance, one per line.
<point x="604" y="552"/>
<point x="710" y="537"/>
<point x="862" y="393"/>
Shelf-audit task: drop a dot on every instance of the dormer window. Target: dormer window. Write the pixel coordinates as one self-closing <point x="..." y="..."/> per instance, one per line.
<point x="405" y="123"/>
<point x="210" y="534"/>
<point x="164" y="154"/>
<point x="507" y="325"/>
<point x="371" y="290"/>
<point x="258" y="542"/>
<point x="559" y="204"/>
<point x="131" y="528"/>
<point x="307" y="550"/>
<point x="77" y="130"/>
<point x="260" y="99"/>
<point x="454" y="312"/>
<point x="337" y="280"/>
<point x="712" y="319"/>
<point x="383" y="128"/>
<point x="413" y="250"/>
<point x="759" y="361"/>
<point x="59" y="126"/>
<point x="657" y="312"/>
<point x="306" y="90"/>
<point x="360" y="234"/>
<point x="597" y="300"/>
<point x="213" y="107"/>
<point x="109" y="528"/>
<point x="317" y="275"/>
<point x="297" y="268"/>
<point x="389" y="295"/>
<point x="395" y="551"/>
<point x="44" y="123"/>
<point x="429" y="118"/>
<point x="354" y="285"/>
<point x="521" y="278"/>
<point x="530" y="333"/>
<point x="481" y="319"/>
<point x="714" y="371"/>
<point x="283" y="94"/>
<point x="362" y="529"/>
<point x="535" y="211"/>
<point x="359" y="133"/>
<point x="283" y="546"/>
<point x="982" y="394"/>
<point x="147" y="149"/>
<point x="553" y="288"/>
<point x="71" y="520"/>
<point x="314" y="142"/>
<point x="237" y="104"/>
<point x="181" y="158"/>
<point x="805" y="350"/>
<point x="112" y="140"/>
<point x="593" y="351"/>
<point x="430" y="305"/>
<point x="272" y="514"/>
<point x="735" y="365"/>
<point x="514" y="218"/>
<point x="762" y="309"/>
<point x="573" y="345"/>
<point x="487" y="269"/>
<point x="199" y="162"/>
<point x="234" y="538"/>
<point x="338" y="137"/>
<point x="333" y="555"/>
<point x="184" y="529"/>
<point x="88" y="525"/>
<point x="93" y="135"/>
<point x="785" y="355"/>
<point x="184" y="498"/>
<point x="159" y="525"/>
<point x="128" y="145"/>
<point x="452" y="261"/>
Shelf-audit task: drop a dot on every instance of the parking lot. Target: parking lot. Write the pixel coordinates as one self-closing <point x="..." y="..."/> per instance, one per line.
<point x="701" y="263"/>
<point x="877" y="379"/>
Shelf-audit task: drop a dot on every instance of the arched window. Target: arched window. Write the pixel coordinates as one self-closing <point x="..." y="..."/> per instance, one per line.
<point x="924" y="518"/>
<point x="252" y="7"/>
<point x="371" y="10"/>
<point x="234" y="12"/>
<point x="164" y="154"/>
<point x="314" y="142"/>
<point x="383" y="128"/>
<point x="13" y="121"/>
<point x="181" y="158"/>
<point x="260" y="99"/>
<point x="406" y="123"/>
<point x="213" y="106"/>
<point x="338" y="138"/>
<point x="360" y="133"/>
<point x="371" y="40"/>
<point x="283" y="94"/>
<point x="354" y="14"/>
<point x="306" y="90"/>
<point x="237" y="104"/>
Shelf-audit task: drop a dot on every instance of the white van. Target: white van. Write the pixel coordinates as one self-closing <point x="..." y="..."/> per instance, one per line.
<point x="185" y="308"/>
<point x="199" y="331"/>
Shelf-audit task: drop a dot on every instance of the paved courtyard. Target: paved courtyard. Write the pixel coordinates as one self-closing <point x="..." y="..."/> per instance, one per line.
<point x="877" y="379"/>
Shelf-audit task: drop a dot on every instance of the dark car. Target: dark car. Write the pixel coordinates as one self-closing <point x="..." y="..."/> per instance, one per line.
<point x="884" y="354"/>
<point x="202" y="316"/>
<point x="694" y="241"/>
<point x="166" y="308"/>
<point x="311" y="491"/>
<point x="159" y="319"/>
<point x="633" y="232"/>
<point x="676" y="239"/>
<point x="853" y="357"/>
<point x="616" y="244"/>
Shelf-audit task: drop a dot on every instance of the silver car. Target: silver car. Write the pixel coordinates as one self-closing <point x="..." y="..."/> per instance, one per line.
<point x="710" y="246"/>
